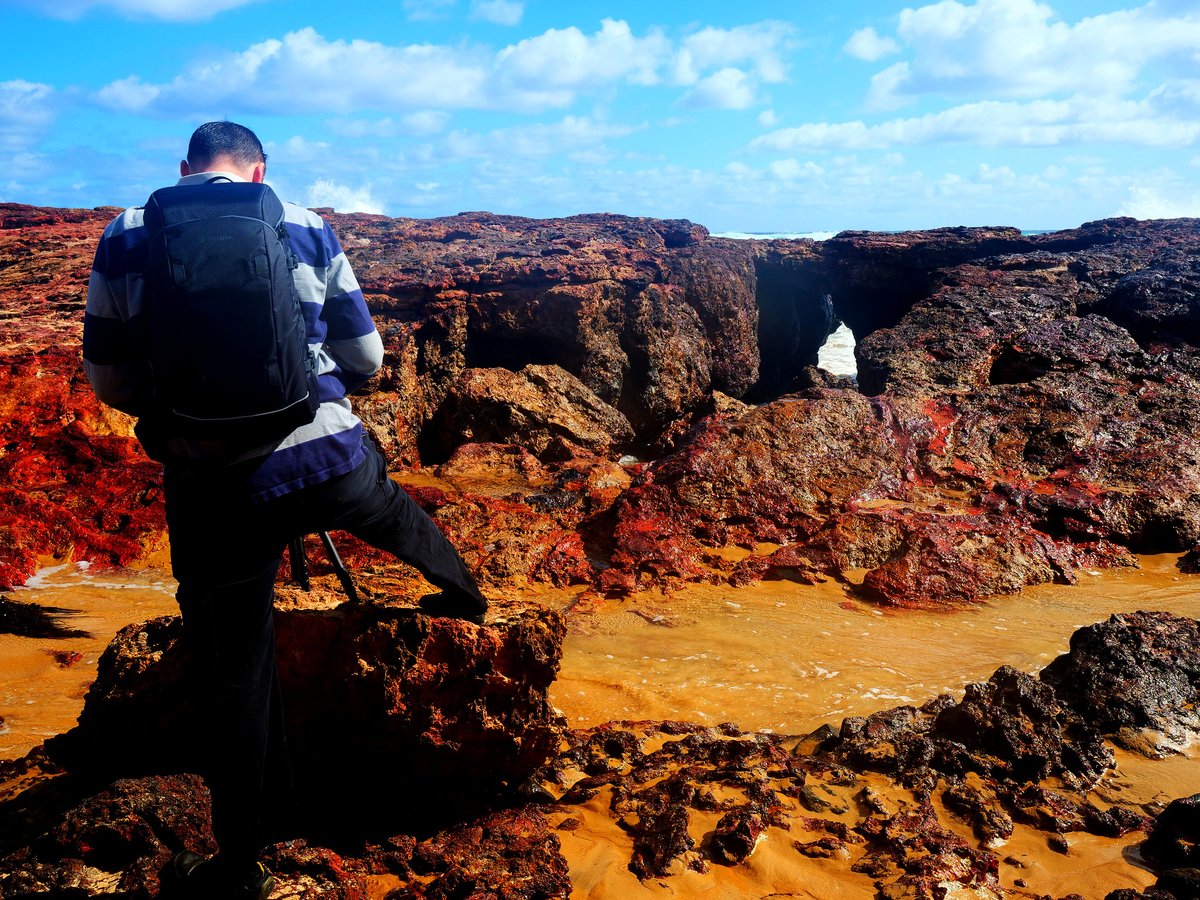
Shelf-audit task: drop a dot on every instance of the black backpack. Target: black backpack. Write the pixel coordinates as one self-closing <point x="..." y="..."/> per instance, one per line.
<point x="225" y="334"/>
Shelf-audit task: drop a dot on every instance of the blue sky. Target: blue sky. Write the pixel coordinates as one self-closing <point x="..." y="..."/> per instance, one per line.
<point x="752" y="116"/>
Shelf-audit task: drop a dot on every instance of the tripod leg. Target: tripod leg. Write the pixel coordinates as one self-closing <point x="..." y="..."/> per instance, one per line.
<point x="299" y="563"/>
<point x="339" y="567"/>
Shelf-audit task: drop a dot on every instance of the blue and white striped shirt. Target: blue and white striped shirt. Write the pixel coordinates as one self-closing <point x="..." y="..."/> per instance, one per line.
<point x="340" y="333"/>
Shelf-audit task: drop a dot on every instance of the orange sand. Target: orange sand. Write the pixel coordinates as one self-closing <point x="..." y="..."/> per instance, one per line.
<point x="775" y="656"/>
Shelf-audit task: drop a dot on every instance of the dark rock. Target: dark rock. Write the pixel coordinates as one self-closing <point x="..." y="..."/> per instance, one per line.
<point x="736" y="835"/>
<point x="310" y="871"/>
<point x="1174" y="841"/>
<point x="1132" y="675"/>
<point x="415" y="702"/>
<point x="661" y="843"/>
<point x="512" y="854"/>
<point x="116" y="841"/>
<point x="823" y="848"/>
<point x="1179" y="884"/>
<point x="1035" y="738"/>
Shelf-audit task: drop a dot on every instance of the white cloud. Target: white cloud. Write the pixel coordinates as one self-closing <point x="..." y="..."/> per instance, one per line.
<point x="304" y="72"/>
<point x="1018" y="49"/>
<point x="1039" y="123"/>
<point x="1150" y="203"/>
<point x="499" y="12"/>
<point x="768" y="118"/>
<point x="573" y="134"/>
<point x="791" y="169"/>
<point x="342" y="198"/>
<point x="759" y="47"/>
<point x="129" y="93"/>
<point x="867" y="44"/>
<point x="427" y="10"/>
<point x="26" y="111"/>
<point x="727" y="88"/>
<point x="418" y="124"/>
<point x="170" y="10"/>
<point x="568" y="59"/>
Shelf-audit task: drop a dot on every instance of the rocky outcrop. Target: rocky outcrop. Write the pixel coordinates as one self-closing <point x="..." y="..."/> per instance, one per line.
<point x="650" y="315"/>
<point x="534" y="408"/>
<point x="414" y="702"/>
<point x="1137" y="677"/>
<point x="1024" y="405"/>
<point x="1012" y="432"/>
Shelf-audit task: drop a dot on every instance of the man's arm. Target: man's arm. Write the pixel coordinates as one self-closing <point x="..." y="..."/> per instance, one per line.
<point x="113" y="358"/>
<point x="351" y="338"/>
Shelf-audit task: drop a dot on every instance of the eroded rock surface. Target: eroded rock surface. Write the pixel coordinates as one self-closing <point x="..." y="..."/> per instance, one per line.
<point x="409" y="702"/>
<point x="1024" y="406"/>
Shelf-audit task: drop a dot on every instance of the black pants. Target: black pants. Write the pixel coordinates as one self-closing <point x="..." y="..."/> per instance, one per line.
<point x="225" y="553"/>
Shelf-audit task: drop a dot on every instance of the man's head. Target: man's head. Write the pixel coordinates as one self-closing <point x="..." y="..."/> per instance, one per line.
<point x="225" y="147"/>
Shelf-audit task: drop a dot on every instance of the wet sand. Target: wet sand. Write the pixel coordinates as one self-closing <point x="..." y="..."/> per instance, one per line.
<point x="775" y="656"/>
<point x="598" y="851"/>
<point x="787" y="658"/>
<point x="42" y="681"/>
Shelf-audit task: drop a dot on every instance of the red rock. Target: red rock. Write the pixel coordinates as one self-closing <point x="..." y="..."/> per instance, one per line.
<point x="1031" y="405"/>
<point x="532" y="408"/>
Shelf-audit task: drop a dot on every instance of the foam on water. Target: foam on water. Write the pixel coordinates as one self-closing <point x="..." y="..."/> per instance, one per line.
<point x="837" y="353"/>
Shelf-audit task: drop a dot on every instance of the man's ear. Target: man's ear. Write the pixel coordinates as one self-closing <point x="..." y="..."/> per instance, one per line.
<point x="258" y="173"/>
<point x="184" y="169"/>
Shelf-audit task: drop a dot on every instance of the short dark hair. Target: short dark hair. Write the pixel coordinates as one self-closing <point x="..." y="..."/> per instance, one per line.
<point x="213" y="140"/>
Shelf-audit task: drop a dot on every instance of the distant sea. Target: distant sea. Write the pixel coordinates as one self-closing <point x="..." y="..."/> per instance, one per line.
<point x="837" y="354"/>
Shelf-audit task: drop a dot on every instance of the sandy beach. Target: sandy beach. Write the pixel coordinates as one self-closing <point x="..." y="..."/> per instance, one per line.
<point x="775" y="657"/>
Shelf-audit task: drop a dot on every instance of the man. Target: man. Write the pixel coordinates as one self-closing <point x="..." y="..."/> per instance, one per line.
<point x="229" y="524"/>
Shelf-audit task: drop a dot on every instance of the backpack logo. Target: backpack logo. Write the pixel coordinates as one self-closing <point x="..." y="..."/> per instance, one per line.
<point x="225" y="331"/>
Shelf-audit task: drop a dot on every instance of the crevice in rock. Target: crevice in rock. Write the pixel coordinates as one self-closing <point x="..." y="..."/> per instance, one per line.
<point x="795" y="318"/>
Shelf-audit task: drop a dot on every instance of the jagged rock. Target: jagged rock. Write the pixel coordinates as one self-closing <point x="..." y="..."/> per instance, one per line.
<point x="508" y="854"/>
<point x="415" y="702"/>
<point x="987" y="760"/>
<point x="1137" y="676"/>
<point x="1174" y="840"/>
<point x="507" y="541"/>
<point x="1005" y="402"/>
<point x="532" y="408"/>
<point x="737" y="834"/>
<point x="626" y="305"/>
<point x="1037" y="391"/>
<point x="1011" y="728"/>
<point x="116" y="841"/>
<point x="1189" y="563"/>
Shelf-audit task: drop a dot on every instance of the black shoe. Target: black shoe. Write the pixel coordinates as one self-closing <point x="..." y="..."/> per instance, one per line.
<point x="205" y="876"/>
<point x="454" y="606"/>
